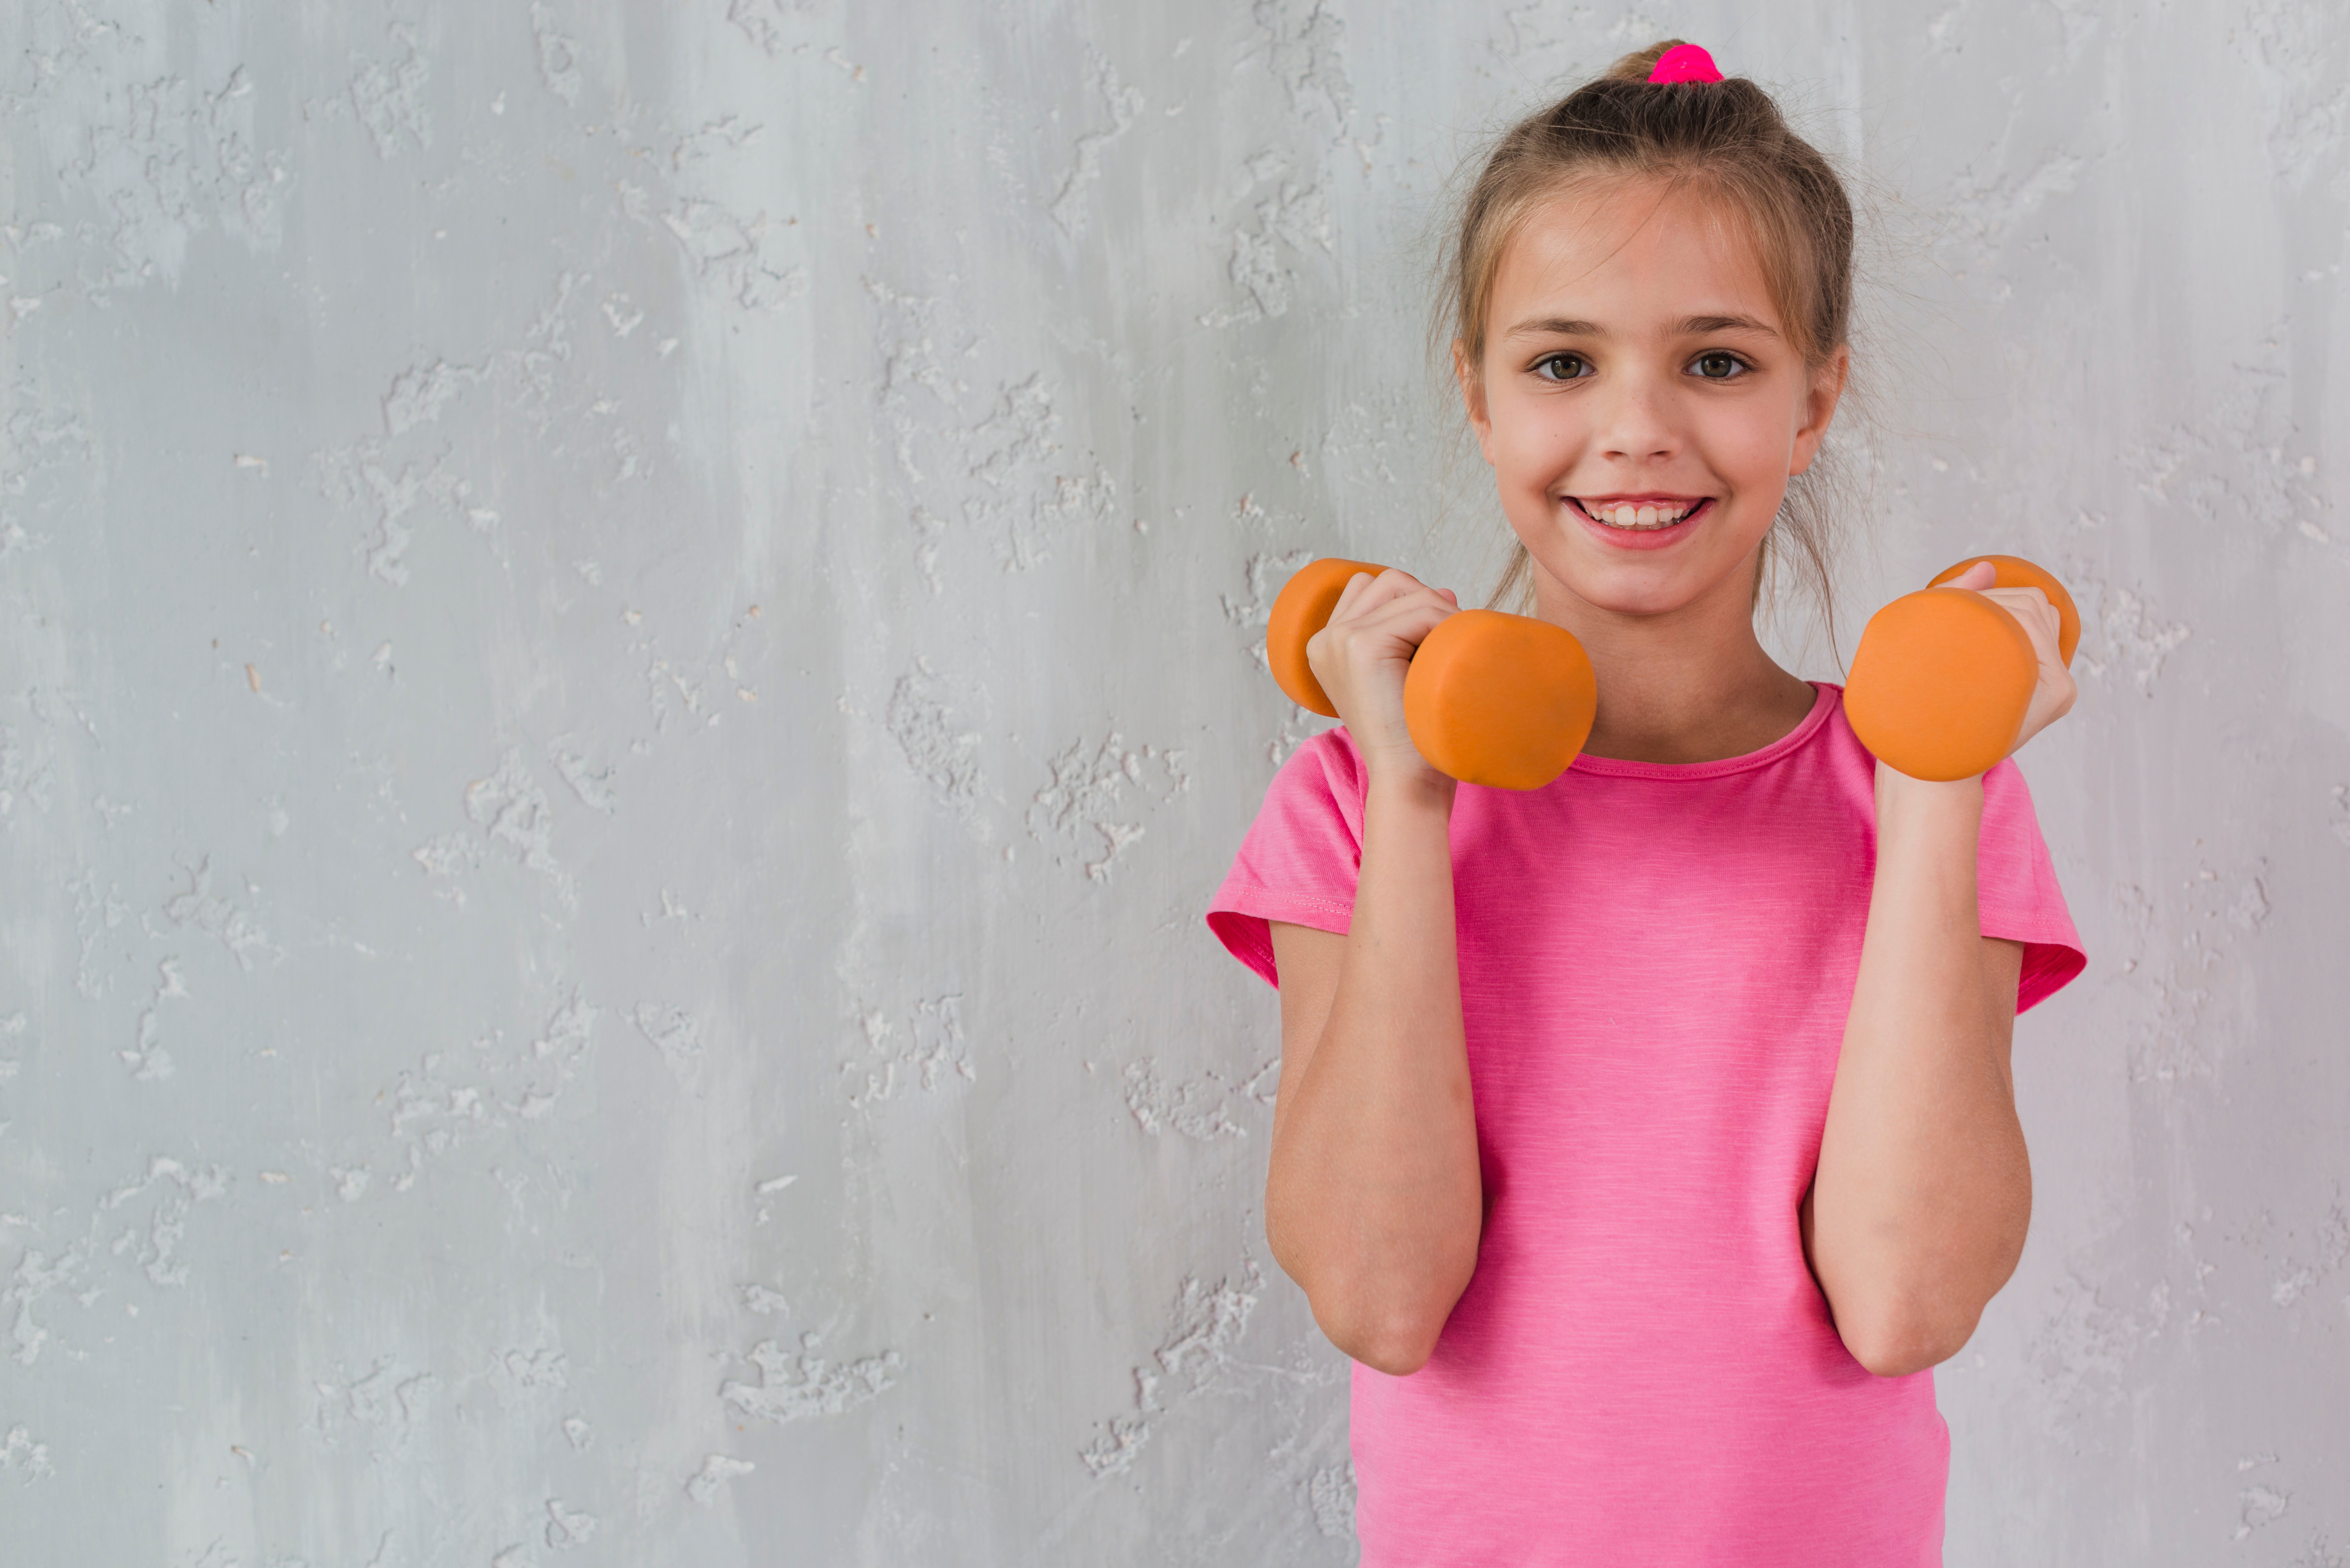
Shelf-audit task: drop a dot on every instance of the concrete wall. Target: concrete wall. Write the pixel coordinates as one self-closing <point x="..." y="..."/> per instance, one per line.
<point x="628" y="658"/>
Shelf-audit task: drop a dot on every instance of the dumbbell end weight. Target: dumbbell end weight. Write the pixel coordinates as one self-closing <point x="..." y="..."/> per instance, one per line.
<point x="1504" y="700"/>
<point x="1301" y="608"/>
<point x="1943" y="677"/>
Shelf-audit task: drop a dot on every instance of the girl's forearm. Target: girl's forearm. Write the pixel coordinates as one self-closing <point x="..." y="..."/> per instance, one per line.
<point x="1919" y="1208"/>
<point x="1374" y="1200"/>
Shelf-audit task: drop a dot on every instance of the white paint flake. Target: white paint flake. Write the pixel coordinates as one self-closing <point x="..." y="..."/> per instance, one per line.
<point x="1207" y="1322"/>
<point x="716" y="1472"/>
<point x="804" y="1386"/>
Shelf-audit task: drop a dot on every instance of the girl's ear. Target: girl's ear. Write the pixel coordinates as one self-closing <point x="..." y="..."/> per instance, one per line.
<point x="1819" y="406"/>
<point x="1472" y="398"/>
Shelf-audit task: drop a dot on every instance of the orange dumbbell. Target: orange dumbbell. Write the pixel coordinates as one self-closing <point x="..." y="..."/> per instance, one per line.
<point x="1943" y="677"/>
<point x="1490" y="699"/>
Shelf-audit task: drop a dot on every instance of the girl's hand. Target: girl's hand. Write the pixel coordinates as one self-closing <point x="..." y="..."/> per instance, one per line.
<point x="2052" y="698"/>
<point x="1361" y="655"/>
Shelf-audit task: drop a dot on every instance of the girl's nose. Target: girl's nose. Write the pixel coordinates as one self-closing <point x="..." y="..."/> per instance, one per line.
<point x="1636" y="423"/>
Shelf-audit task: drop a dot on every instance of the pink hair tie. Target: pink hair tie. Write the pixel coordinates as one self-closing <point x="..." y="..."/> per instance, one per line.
<point x="1685" y="63"/>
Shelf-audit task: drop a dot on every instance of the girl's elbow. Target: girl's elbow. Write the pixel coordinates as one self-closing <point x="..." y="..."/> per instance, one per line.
<point x="1911" y="1313"/>
<point x="1387" y="1322"/>
<point x="1895" y="1344"/>
<point x="1398" y="1343"/>
<point x="1894" y="1355"/>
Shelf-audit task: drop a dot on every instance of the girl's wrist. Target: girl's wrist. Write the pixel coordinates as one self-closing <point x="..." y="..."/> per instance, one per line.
<point x="1902" y="800"/>
<point x="1411" y="785"/>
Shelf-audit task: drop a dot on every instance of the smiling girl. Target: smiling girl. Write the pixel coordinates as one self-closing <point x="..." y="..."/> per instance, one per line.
<point x="1645" y="1138"/>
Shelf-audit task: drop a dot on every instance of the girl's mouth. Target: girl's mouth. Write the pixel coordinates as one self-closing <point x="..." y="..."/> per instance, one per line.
<point x="1644" y="514"/>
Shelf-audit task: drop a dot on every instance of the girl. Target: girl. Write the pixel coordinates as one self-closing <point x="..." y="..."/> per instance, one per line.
<point x="1645" y="1138"/>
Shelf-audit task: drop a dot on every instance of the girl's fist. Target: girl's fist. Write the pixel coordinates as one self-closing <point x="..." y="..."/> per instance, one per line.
<point x="1362" y="654"/>
<point x="2055" y="695"/>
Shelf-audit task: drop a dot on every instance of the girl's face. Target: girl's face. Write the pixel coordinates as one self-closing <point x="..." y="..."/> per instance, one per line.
<point x="1640" y="402"/>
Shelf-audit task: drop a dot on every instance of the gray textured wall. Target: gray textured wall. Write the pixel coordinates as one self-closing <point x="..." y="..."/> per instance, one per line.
<point x="628" y="660"/>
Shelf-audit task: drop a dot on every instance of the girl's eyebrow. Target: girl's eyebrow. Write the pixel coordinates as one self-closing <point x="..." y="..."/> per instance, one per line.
<point x="1556" y="326"/>
<point x="1699" y="325"/>
<point x="1686" y="326"/>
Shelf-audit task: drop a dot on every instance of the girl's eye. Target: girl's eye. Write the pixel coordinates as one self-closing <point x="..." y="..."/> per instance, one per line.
<point x="1719" y="366"/>
<point x="1563" y="367"/>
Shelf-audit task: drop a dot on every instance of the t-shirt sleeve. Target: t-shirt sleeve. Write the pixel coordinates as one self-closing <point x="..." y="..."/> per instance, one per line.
<point x="2016" y="885"/>
<point x="1302" y="855"/>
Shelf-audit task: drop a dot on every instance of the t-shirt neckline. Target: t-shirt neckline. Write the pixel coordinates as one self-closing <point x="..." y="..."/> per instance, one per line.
<point x="1823" y="704"/>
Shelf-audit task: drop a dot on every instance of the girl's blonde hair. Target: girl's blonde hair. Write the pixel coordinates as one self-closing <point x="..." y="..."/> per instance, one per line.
<point x="1725" y="138"/>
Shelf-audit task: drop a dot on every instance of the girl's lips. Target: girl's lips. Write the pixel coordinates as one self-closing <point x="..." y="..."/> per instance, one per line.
<point x="1641" y="538"/>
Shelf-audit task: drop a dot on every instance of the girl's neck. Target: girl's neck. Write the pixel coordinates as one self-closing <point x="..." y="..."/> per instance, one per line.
<point x="1691" y="685"/>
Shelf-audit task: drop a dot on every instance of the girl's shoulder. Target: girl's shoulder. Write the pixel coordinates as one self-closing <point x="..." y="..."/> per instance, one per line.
<point x="1326" y="763"/>
<point x="1837" y="753"/>
<point x="1323" y="781"/>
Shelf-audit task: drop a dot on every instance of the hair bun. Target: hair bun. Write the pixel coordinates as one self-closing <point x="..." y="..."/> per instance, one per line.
<point x="1685" y="63"/>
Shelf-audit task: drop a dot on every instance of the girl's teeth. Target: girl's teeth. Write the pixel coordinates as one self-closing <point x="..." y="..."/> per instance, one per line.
<point x="1649" y="516"/>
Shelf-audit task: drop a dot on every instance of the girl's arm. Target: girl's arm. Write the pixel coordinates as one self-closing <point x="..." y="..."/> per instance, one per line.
<point x="1373" y="1202"/>
<point x="1917" y="1215"/>
<point x="1917" y="1212"/>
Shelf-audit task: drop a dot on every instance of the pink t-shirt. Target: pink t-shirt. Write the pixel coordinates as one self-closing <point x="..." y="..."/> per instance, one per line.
<point x="1656" y="964"/>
